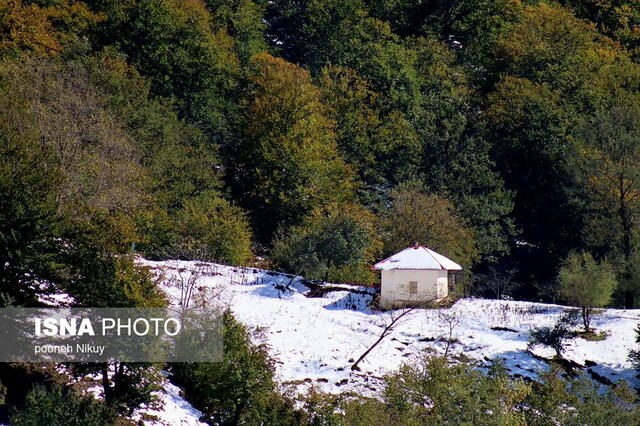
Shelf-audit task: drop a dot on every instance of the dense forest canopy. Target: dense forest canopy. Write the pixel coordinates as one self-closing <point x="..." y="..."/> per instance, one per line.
<point x="315" y="137"/>
<point x="504" y="134"/>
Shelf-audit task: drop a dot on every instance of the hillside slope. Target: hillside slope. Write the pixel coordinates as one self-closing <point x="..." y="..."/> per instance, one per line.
<point x="316" y="339"/>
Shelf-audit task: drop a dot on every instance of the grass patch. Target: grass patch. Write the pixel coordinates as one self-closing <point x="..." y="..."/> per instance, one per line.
<point x="461" y="357"/>
<point x="593" y="336"/>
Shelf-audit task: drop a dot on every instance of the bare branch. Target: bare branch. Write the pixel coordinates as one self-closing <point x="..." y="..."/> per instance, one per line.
<point x="395" y="320"/>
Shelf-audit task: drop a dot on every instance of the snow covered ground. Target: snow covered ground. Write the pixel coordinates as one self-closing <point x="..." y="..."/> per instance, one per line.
<point x="316" y="339"/>
<point x="173" y="410"/>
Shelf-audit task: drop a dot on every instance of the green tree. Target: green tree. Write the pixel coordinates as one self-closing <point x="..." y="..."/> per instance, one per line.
<point x="617" y="19"/>
<point x="29" y="220"/>
<point x="586" y="283"/>
<point x="339" y="238"/>
<point x="434" y="392"/>
<point x="529" y="126"/>
<point x="238" y="390"/>
<point x="68" y="110"/>
<point x="107" y="279"/>
<point x="217" y="226"/>
<point x="57" y="406"/>
<point x="470" y="27"/>
<point x="552" y="394"/>
<point x="185" y="184"/>
<point x="287" y="163"/>
<point x="382" y="148"/>
<point x="244" y="21"/>
<point x="549" y="44"/>
<point x="181" y="162"/>
<point x="172" y="43"/>
<point x="555" y="70"/>
<point x="342" y="33"/>
<point x="608" y="160"/>
<point x="456" y="160"/>
<point x="555" y="337"/>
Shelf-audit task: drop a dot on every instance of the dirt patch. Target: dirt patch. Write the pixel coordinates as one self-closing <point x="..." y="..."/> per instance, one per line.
<point x="320" y="290"/>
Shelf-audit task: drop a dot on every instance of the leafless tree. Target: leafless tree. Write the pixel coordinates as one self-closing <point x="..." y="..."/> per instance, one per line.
<point x="451" y="319"/>
<point x="186" y="274"/>
<point x="497" y="281"/>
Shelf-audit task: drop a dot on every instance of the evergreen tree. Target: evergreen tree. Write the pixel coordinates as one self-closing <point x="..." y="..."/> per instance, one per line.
<point x="238" y="390"/>
<point x="59" y="406"/>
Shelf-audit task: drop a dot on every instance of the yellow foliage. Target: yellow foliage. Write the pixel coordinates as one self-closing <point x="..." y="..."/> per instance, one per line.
<point x="42" y="30"/>
<point x="26" y="28"/>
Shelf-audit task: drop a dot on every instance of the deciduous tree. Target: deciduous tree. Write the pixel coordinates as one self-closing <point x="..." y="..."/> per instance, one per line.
<point x="416" y="216"/>
<point x="288" y="162"/>
<point x="586" y="283"/>
<point x="336" y="238"/>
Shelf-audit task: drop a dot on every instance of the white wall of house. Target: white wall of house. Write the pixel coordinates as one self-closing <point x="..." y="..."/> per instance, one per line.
<point x="397" y="288"/>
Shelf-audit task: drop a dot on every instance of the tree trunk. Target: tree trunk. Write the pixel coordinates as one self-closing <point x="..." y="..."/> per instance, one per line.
<point x="585" y="318"/>
<point x="326" y="274"/>
<point x="106" y="387"/>
<point x="627" y="226"/>
<point x="355" y="367"/>
<point x="625" y="221"/>
<point x="237" y="414"/>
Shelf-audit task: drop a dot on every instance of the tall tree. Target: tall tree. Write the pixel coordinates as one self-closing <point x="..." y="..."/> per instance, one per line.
<point x="172" y="43"/>
<point x="244" y="21"/>
<point x="288" y="162"/>
<point x="383" y="148"/>
<point x="618" y="19"/>
<point x="608" y="161"/>
<point x="29" y="184"/>
<point x="456" y="161"/>
<point x="44" y="27"/>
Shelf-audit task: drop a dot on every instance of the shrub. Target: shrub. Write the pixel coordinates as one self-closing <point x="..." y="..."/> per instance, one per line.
<point x="217" y="226"/>
<point x="60" y="406"/>
<point x="579" y="401"/>
<point x="337" y="241"/>
<point x="238" y="390"/>
<point x="556" y="336"/>
<point x="434" y="392"/>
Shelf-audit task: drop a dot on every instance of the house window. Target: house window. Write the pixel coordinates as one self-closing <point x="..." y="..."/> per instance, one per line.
<point x="413" y="288"/>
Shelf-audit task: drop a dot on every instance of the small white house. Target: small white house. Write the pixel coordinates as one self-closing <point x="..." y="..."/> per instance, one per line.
<point x="414" y="275"/>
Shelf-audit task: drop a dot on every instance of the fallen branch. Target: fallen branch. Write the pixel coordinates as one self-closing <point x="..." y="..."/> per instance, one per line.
<point x="395" y="320"/>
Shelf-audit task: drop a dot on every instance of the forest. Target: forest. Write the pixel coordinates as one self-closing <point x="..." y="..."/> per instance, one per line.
<point x="314" y="137"/>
